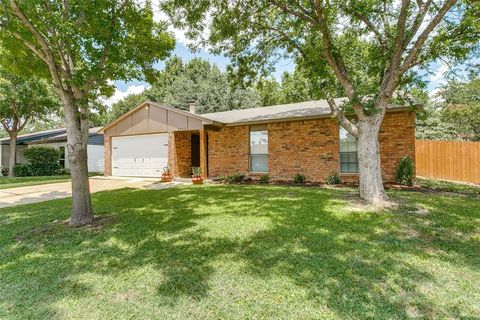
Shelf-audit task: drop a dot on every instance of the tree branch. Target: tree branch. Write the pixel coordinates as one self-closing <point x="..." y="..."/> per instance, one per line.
<point x="411" y="57"/>
<point x="344" y="122"/>
<point x="336" y="62"/>
<point x="422" y="11"/>
<point x="47" y="53"/>
<point x="300" y="15"/>
<point x="373" y="28"/>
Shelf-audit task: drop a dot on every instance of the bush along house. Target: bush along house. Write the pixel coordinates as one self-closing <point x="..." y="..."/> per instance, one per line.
<point x="279" y="141"/>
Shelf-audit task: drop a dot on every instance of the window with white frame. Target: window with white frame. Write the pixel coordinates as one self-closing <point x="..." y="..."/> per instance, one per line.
<point x="348" y="152"/>
<point x="258" y="149"/>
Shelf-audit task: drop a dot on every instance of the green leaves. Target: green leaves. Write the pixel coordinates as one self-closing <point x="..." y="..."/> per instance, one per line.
<point x="24" y="99"/>
<point x="89" y="42"/>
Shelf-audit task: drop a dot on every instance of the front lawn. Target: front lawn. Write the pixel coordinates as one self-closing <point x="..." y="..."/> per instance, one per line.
<point x="243" y="252"/>
<point x="448" y="186"/>
<point x="13" y="182"/>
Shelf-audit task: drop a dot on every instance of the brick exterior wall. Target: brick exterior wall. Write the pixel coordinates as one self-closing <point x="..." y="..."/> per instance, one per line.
<point x="228" y="151"/>
<point x="310" y="147"/>
<point x="397" y="139"/>
<point x="107" y="155"/>
<point x="179" y="153"/>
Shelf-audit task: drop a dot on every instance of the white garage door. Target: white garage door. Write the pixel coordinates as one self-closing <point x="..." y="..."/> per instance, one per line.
<point x="140" y="156"/>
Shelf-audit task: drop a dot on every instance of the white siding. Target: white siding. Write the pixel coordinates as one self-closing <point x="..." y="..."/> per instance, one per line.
<point x="95" y="158"/>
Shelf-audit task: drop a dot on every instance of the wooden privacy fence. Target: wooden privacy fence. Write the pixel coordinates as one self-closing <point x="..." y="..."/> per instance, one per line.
<point x="449" y="160"/>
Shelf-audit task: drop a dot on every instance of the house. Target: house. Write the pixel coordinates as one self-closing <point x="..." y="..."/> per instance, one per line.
<point x="279" y="141"/>
<point x="55" y="138"/>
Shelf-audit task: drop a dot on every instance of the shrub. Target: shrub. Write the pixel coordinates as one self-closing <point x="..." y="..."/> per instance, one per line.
<point x="22" y="170"/>
<point x="42" y="161"/>
<point x="405" y="171"/>
<point x="299" y="178"/>
<point x="235" y="178"/>
<point x="4" y="171"/>
<point x="196" y="171"/>
<point x="333" y="178"/>
<point x="264" y="179"/>
<point x="63" y="172"/>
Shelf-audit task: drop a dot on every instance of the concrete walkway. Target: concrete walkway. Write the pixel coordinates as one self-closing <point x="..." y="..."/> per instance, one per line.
<point x="33" y="194"/>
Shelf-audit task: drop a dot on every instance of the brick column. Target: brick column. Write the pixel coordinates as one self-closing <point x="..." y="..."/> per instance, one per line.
<point x="203" y="153"/>
<point x="107" y="156"/>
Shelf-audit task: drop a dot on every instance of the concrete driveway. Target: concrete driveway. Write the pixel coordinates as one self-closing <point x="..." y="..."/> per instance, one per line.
<point x="23" y="195"/>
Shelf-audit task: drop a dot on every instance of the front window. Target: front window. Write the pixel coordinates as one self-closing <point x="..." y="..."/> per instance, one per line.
<point x="348" y="152"/>
<point x="258" y="149"/>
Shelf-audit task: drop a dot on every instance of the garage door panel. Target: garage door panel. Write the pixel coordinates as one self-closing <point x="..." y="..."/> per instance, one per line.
<point x="140" y="156"/>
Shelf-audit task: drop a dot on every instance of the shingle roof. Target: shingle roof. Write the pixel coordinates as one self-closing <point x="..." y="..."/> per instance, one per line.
<point x="47" y="135"/>
<point x="307" y="109"/>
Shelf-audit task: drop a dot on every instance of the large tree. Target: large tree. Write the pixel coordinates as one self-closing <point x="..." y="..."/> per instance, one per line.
<point x="21" y="101"/>
<point x="369" y="47"/>
<point x="179" y="83"/>
<point x="83" y="45"/>
<point x="203" y="82"/>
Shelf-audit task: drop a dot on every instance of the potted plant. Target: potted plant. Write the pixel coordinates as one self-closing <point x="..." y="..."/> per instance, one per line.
<point x="166" y="175"/>
<point x="197" y="175"/>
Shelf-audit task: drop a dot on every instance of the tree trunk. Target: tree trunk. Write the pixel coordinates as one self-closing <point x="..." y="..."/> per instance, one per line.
<point x="77" y="141"/>
<point x="371" y="182"/>
<point x="12" y="161"/>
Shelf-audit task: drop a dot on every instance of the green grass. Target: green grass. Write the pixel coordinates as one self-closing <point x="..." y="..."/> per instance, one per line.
<point x="14" y="182"/>
<point x="7" y="182"/>
<point x="243" y="252"/>
<point x="448" y="186"/>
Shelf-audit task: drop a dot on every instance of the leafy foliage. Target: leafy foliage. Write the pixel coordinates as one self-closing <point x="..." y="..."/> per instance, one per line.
<point x="264" y="179"/>
<point x="299" y="178"/>
<point x="333" y="178"/>
<point x="196" y="171"/>
<point x="41" y="161"/>
<point x="24" y="99"/>
<point x="405" y="171"/>
<point x="235" y="178"/>
<point x="455" y="115"/>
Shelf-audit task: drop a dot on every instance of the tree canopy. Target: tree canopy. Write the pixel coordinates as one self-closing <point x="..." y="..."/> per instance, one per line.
<point x="454" y="114"/>
<point x="82" y="46"/>
<point x="23" y="100"/>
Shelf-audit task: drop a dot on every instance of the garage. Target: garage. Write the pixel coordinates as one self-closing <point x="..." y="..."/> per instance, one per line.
<point x="139" y="155"/>
<point x="152" y="136"/>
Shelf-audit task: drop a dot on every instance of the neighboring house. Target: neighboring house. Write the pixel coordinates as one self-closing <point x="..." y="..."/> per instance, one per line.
<point x="56" y="138"/>
<point x="279" y="141"/>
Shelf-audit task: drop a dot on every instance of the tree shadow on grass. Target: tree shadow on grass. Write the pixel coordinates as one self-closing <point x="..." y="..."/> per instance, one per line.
<point x="352" y="262"/>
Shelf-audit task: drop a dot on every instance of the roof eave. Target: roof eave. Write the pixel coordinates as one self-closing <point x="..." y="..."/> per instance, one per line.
<point x="324" y="116"/>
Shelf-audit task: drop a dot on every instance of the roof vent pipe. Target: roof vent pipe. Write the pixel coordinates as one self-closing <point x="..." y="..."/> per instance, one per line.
<point x="192" y="106"/>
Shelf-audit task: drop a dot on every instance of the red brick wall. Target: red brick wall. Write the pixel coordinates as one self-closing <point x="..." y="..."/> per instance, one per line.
<point x="179" y="153"/>
<point x="397" y="139"/>
<point x="307" y="147"/>
<point x="310" y="147"/>
<point x="107" y="156"/>
<point x="228" y="151"/>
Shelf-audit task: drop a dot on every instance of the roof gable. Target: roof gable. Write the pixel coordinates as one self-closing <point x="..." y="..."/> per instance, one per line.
<point x="151" y="117"/>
